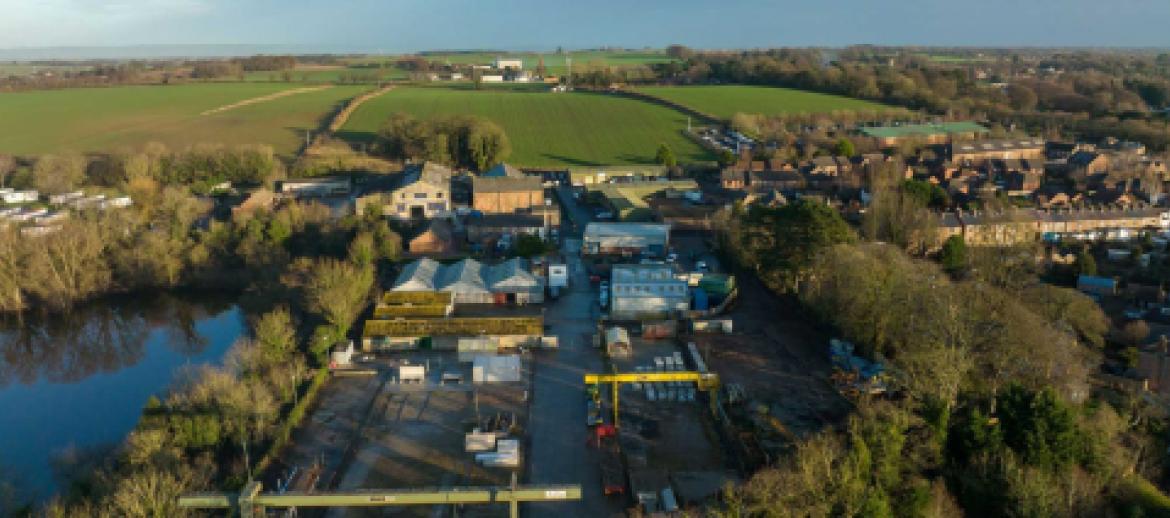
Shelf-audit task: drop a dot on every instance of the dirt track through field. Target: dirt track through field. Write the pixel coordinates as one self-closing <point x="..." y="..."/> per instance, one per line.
<point x="265" y="98"/>
<point x="342" y="116"/>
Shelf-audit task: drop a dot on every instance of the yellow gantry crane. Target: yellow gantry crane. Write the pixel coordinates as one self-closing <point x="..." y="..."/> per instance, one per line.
<point x="705" y="381"/>
<point x="251" y="503"/>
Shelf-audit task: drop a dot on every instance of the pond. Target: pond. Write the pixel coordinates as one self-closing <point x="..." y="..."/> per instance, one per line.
<point x="73" y="385"/>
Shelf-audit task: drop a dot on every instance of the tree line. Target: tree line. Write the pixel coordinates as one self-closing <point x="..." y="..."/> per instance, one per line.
<point x="461" y="141"/>
<point x="237" y="67"/>
<point x="199" y="168"/>
<point x="156" y="243"/>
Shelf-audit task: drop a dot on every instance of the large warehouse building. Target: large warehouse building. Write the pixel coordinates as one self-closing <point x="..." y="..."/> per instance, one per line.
<point x="626" y="238"/>
<point x="647" y="290"/>
<point x="472" y="282"/>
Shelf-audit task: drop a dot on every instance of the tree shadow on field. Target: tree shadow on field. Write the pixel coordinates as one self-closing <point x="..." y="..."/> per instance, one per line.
<point x="636" y="159"/>
<point x="571" y="160"/>
<point x="354" y="136"/>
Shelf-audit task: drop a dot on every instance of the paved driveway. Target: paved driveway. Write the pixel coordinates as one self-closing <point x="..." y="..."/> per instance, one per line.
<point x="560" y="454"/>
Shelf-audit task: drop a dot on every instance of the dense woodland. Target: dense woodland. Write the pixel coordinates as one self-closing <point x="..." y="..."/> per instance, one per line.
<point x="462" y="141"/>
<point x="994" y="412"/>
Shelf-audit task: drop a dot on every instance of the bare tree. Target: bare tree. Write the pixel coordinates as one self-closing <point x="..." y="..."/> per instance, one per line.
<point x="58" y="173"/>
<point x="337" y="290"/>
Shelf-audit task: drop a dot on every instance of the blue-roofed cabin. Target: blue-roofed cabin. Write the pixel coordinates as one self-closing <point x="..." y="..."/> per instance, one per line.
<point x="1101" y="286"/>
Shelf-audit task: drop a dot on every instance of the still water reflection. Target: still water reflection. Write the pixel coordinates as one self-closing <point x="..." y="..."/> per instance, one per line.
<point x="76" y="383"/>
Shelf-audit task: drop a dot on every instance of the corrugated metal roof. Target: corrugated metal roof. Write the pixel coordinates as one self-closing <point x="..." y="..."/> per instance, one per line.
<point x="1096" y="282"/>
<point x="599" y="230"/>
<point x="512" y="273"/>
<point x="417" y="276"/>
<point x="465" y="276"/>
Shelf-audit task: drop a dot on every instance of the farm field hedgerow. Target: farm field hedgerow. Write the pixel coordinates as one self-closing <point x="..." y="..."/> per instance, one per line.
<point x="725" y="100"/>
<point x="546" y="129"/>
<point x="329" y="75"/>
<point x="556" y="64"/>
<point x="106" y="119"/>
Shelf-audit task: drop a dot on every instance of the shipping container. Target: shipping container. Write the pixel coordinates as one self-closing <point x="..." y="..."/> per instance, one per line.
<point x="699" y="299"/>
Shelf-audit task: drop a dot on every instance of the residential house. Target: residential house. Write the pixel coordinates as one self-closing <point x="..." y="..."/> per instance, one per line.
<point x="1055" y="196"/>
<point x="435" y="239"/>
<point x="1017" y="176"/>
<point x="784" y="181"/>
<point x="823" y="166"/>
<point x="930" y="133"/>
<point x="1122" y="146"/>
<point x="423" y="193"/>
<point x="1060" y="152"/>
<point x="1154" y="366"/>
<point x="975" y="153"/>
<point x="1052" y="225"/>
<point x="1084" y="165"/>
<point x="733" y="179"/>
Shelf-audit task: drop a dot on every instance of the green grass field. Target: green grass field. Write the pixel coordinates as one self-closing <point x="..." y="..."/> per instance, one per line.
<point x="546" y="129"/>
<point x="104" y="119"/>
<point x="725" y="101"/>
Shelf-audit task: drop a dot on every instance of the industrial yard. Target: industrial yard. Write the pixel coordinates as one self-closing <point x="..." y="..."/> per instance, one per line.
<point x="382" y="427"/>
<point x="444" y="395"/>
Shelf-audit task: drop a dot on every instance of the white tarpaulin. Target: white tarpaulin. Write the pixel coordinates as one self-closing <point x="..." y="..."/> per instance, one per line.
<point x="495" y="369"/>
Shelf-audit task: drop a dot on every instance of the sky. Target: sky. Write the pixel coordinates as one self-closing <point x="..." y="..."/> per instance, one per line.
<point x="412" y="25"/>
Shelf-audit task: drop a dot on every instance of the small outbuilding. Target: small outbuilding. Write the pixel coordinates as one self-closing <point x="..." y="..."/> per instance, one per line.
<point x="617" y="341"/>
